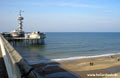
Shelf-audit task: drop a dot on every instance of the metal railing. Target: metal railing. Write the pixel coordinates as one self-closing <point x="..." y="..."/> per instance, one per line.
<point x="16" y="65"/>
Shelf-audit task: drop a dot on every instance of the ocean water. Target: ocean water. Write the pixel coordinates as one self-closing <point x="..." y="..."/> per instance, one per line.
<point x="71" y="45"/>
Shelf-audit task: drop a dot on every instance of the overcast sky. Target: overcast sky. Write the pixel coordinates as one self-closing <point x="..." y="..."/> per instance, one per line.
<point x="61" y="15"/>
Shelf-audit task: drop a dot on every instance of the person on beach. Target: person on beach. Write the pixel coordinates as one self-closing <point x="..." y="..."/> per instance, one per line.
<point x="91" y="63"/>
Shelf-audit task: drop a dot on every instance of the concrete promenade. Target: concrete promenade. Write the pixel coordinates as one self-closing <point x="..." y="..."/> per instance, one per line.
<point x="3" y="72"/>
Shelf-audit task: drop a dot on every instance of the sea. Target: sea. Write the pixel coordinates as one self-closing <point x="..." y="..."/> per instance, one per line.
<point x="61" y="46"/>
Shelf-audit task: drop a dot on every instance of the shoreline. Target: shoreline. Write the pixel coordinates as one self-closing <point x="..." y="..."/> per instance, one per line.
<point x="84" y="57"/>
<point x="72" y="58"/>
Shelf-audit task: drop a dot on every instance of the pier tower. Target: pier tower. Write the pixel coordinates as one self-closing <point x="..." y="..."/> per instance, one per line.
<point x="20" y="22"/>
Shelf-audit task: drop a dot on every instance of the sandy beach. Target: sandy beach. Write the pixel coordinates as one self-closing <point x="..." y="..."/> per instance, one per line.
<point x="103" y="67"/>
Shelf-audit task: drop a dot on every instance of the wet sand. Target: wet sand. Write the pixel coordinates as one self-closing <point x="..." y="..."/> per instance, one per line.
<point x="103" y="67"/>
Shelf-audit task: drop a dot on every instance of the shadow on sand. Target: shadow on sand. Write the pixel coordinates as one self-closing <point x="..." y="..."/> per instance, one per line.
<point x="53" y="70"/>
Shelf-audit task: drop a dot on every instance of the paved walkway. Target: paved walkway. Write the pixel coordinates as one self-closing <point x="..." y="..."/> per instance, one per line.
<point x="3" y="72"/>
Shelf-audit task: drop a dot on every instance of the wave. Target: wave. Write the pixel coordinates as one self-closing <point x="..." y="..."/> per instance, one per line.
<point x="82" y="57"/>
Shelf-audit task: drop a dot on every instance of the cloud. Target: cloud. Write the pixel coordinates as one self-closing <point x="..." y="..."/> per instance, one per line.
<point x="64" y="4"/>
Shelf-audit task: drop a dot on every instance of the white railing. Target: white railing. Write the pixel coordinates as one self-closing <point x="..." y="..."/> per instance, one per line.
<point x="12" y="70"/>
<point x="16" y="66"/>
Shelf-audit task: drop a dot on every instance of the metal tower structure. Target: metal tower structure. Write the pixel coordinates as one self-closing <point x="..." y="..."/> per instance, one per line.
<point x="20" y="22"/>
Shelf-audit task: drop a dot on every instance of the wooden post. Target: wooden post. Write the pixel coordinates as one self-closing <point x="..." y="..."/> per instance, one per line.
<point x="27" y="42"/>
<point x="32" y="41"/>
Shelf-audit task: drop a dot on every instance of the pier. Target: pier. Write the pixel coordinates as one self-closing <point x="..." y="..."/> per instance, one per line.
<point x="12" y="64"/>
<point x="20" y="35"/>
<point x="27" y="41"/>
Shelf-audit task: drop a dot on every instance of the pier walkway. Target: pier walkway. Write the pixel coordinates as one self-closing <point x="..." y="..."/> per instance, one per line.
<point x="3" y="72"/>
<point x="12" y="64"/>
